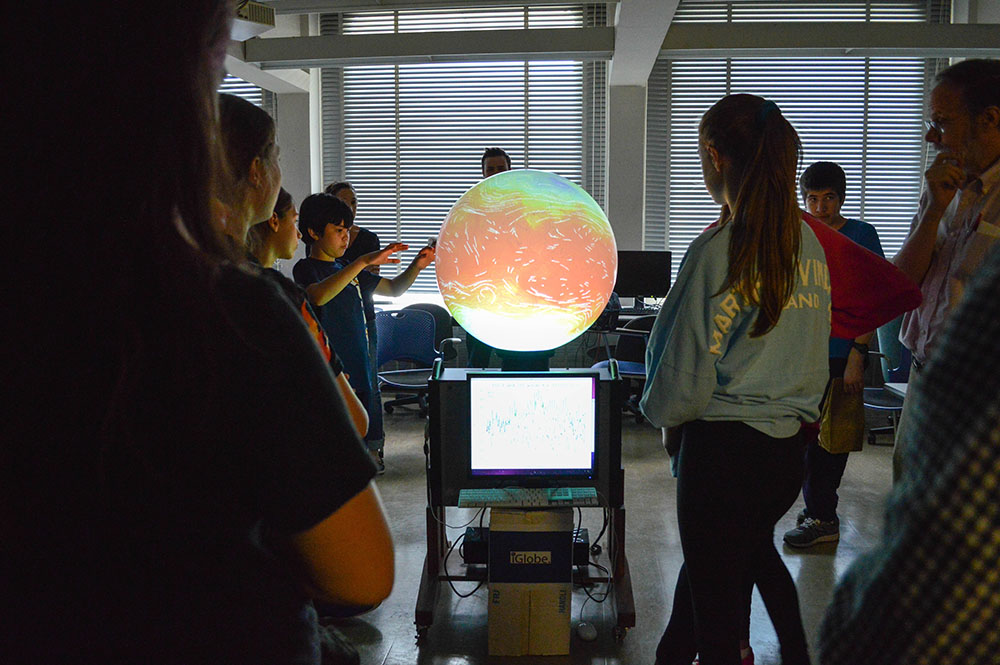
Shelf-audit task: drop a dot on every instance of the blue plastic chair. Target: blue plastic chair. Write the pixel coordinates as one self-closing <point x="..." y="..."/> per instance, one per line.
<point x="406" y="337"/>
<point x="630" y="354"/>
<point x="895" y="361"/>
<point x="443" y="327"/>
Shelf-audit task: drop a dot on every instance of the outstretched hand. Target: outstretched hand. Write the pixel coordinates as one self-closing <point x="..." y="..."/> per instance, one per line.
<point x="384" y="255"/>
<point x="424" y="257"/>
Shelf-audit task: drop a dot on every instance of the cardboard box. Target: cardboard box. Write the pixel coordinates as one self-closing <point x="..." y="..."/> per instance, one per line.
<point x="530" y="581"/>
<point x="529" y="619"/>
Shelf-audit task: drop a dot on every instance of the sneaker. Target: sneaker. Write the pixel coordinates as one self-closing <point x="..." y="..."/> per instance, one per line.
<point x="813" y="531"/>
<point x="378" y="460"/>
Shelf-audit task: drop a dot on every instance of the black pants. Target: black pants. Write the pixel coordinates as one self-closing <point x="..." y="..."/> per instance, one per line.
<point x="733" y="484"/>
<point x="824" y="470"/>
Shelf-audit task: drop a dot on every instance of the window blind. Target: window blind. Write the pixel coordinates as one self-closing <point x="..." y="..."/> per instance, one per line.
<point x="409" y="137"/>
<point x="250" y="92"/>
<point x="234" y="85"/>
<point x="863" y="113"/>
<point x="716" y="11"/>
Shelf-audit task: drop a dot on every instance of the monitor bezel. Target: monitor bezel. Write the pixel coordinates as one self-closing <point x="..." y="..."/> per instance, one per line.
<point x="539" y="477"/>
<point x="632" y="260"/>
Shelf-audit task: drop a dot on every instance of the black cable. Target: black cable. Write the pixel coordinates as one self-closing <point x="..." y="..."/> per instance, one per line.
<point x="604" y="527"/>
<point x="444" y="565"/>
<point x="598" y="566"/>
<point x="579" y="524"/>
<point x="611" y="560"/>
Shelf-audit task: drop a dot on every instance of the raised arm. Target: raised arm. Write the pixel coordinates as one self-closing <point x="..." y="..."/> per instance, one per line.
<point x="944" y="177"/>
<point x="401" y="282"/>
<point x="348" y="557"/>
<point x="325" y="290"/>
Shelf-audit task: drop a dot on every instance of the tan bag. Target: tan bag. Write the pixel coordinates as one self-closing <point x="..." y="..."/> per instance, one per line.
<point x="842" y="420"/>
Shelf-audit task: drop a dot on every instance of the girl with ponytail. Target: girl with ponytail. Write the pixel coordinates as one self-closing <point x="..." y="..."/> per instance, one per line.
<point x="736" y="361"/>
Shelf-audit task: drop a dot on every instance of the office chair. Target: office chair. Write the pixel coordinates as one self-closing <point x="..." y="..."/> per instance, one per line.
<point x="605" y="324"/>
<point x="895" y="361"/>
<point x="406" y="336"/>
<point x="630" y="353"/>
<point x="443" y="327"/>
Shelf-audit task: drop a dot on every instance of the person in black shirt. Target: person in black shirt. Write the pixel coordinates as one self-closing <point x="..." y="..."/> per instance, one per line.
<point x="493" y="161"/>
<point x="361" y="241"/>
<point x="336" y="289"/>
<point x="277" y="238"/>
<point x="180" y="475"/>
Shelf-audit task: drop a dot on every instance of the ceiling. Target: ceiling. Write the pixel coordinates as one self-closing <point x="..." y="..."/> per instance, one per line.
<point x="638" y="33"/>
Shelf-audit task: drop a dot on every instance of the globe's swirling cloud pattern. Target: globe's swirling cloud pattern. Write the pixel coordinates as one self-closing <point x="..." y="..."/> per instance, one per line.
<point x="526" y="260"/>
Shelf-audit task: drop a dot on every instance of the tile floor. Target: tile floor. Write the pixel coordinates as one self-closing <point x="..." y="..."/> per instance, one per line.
<point x="458" y="635"/>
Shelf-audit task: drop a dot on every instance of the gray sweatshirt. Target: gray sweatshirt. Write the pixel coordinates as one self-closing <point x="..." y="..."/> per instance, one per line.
<point x="702" y="364"/>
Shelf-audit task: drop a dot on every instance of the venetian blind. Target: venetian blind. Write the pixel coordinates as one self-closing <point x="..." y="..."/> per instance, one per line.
<point x="250" y="92"/>
<point x="863" y="113"/>
<point x="409" y="137"/>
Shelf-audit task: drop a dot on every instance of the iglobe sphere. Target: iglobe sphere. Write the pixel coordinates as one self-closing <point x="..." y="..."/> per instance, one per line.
<point x="526" y="260"/>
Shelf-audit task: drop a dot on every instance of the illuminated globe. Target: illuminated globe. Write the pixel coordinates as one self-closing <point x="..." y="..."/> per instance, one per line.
<point x="526" y="260"/>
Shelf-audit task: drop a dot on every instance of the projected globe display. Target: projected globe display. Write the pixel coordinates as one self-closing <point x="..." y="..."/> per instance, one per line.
<point x="526" y="260"/>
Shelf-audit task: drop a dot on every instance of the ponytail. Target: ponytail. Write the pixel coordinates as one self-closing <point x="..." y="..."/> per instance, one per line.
<point x="764" y="151"/>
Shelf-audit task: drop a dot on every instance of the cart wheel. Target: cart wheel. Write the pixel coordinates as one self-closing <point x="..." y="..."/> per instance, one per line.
<point x="388" y="408"/>
<point x="620" y="634"/>
<point x="872" y="439"/>
<point x="422" y="634"/>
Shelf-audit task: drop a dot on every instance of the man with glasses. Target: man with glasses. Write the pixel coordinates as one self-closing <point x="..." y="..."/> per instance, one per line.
<point x="958" y="221"/>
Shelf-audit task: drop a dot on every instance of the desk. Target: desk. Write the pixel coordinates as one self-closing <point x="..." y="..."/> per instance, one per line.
<point x="897" y="389"/>
<point x="448" y="462"/>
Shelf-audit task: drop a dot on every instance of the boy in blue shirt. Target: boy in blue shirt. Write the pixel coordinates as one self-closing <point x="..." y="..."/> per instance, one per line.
<point x="335" y="290"/>
<point x="824" y="188"/>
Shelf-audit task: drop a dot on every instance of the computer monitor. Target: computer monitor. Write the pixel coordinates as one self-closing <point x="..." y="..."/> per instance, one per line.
<point x="643" y="274"/>
<point x="489" y="428"/>
<point x="533" y="425"/>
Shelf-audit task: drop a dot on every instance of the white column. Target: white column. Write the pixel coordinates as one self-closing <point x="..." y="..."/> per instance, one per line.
<point x="626" y="173"/>
<point x="294" y="141"/>
<point x="984" y="11"/>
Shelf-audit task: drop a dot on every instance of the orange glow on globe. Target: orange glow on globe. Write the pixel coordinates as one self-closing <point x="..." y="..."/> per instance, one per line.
<point x="526" y="260"/>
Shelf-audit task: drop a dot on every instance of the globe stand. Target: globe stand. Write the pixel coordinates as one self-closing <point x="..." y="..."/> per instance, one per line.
<point x="525" y="361"/>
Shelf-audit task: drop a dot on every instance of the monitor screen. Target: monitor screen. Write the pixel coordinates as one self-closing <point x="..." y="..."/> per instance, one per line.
<point x="532" y="425"/>
<point x="643" y="273"/>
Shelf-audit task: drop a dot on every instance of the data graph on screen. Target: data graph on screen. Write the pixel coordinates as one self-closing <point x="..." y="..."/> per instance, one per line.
<point x="532" y="424"/>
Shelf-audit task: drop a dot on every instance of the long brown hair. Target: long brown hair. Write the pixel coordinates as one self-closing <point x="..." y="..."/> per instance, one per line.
<point x="132" y="140"/>
<point x="764" y="151"/>
<point x="248" y="132"/>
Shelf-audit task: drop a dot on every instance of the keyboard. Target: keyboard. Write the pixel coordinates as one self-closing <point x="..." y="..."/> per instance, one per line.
<point x="638" y="311"/>
<point x="527" y="497"/>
